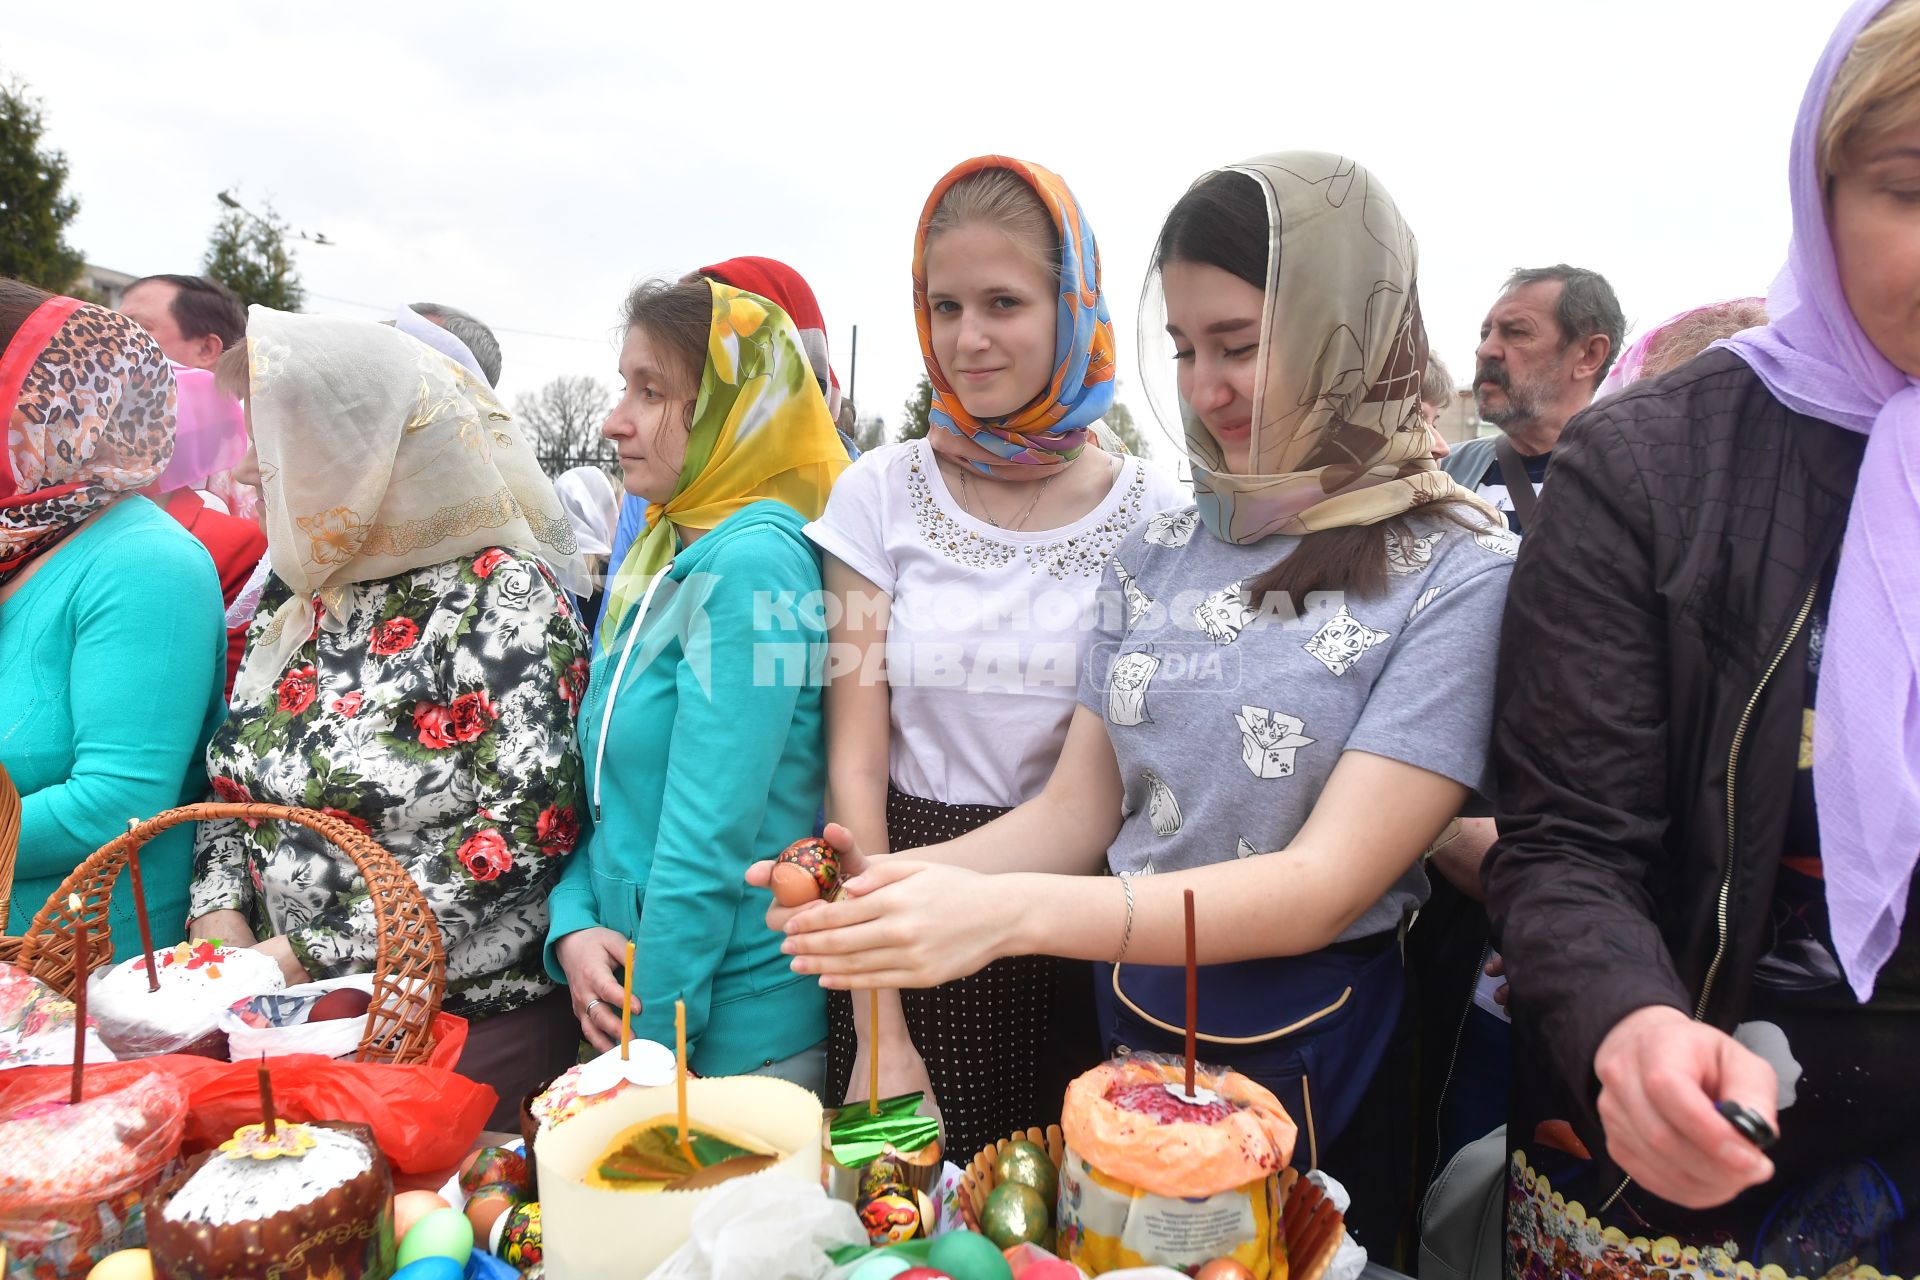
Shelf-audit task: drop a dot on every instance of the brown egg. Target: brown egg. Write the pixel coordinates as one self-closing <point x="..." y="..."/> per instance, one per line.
<point x="1223" y="1269"/>
<point x="488" y="1205"/>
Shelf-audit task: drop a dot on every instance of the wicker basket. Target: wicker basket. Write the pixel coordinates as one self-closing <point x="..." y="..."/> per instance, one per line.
<point x="978" y="1182"/>
<point x="410" y="966"/>
<point x="1310" y="1225"/>
<point x="9" y="842"/>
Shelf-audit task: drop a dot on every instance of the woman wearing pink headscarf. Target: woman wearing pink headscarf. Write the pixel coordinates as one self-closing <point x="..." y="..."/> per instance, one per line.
<point x="210" y="439"/>
<point x="1709" y="756"/>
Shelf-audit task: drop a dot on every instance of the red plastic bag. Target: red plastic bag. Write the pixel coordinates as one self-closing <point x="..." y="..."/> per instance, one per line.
<point x="72" y="1179"/>
<point x="425" y="1117"/>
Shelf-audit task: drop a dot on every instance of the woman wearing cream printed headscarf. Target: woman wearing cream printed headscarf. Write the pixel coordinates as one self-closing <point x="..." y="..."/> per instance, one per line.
<point x="414" y="668"/>
<point x="1301" y="681"/>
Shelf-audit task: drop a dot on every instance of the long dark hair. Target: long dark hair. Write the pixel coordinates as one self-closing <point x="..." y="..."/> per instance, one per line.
<point x="1222" y="222"/>
<point x="18" y="300"/>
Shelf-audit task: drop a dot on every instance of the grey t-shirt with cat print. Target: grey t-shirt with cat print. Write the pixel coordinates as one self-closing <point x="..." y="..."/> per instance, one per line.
<point x="1227" y="719"/>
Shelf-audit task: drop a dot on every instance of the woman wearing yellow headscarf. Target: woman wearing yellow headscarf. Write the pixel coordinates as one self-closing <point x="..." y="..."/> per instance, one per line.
<point x="701" y="727"/>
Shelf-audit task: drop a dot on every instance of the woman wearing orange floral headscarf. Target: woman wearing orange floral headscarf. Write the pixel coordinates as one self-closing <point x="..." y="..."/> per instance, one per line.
<point x="969" y="560"/>
<point x="110" y="617"/>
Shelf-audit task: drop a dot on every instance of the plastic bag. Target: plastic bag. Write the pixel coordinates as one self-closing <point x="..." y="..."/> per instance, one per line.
<point x="198" y="981"/>
<point x="425" y="1118"/>
<point x="36" y="1025"/>
<point x="1136" y="1190"/>
<point x="768" y="1228"/>
<point x="277" y="1023"/>
<point x="72" y="1179"/>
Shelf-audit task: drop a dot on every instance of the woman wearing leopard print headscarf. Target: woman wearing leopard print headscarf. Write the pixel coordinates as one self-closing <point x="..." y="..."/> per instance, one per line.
<point x="111" y="632"/>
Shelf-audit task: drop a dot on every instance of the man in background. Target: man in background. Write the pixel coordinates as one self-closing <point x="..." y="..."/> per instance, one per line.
<point x="194" y="319"/>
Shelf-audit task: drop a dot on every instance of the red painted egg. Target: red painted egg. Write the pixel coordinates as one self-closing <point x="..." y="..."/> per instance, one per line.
<point x="336" y="1005"/>
<point x="1223" y="1269"/>
<point x="922" y="1273"/>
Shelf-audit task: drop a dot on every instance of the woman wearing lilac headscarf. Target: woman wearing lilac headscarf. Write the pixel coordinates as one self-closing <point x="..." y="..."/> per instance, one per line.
<point x="1709" y="756"/>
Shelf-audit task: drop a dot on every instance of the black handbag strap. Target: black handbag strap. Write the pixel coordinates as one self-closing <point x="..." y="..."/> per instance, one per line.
<point x="1520" y="490"/>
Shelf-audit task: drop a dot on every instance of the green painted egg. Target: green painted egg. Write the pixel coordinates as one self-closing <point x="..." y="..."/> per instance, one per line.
<point x="967" y="1255"/>
<point x="444" y="1233"/>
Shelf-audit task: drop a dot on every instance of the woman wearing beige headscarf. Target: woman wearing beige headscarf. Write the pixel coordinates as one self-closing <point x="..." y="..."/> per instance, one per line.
<point x="415" y="668"/>
<point x="1289" y="697"/>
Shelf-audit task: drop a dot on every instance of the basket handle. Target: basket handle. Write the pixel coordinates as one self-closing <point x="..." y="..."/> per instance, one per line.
<point x="410" y="965"/>
<point x="9" y="840"/>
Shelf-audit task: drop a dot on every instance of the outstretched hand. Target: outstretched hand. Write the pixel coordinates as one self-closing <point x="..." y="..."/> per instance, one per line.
<point x="852" y="863"/>
<point x="903" y="924"/>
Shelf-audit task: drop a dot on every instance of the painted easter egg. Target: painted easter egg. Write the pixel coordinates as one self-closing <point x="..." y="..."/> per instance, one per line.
<point x="891" y="1218"/>
<point x="128" y="1264"/>
<point x="1224" y="1269"/>
<point x="879" y="1266"/>
<point x="488" y="1205"/>
<point x="1024" y="1162"/>
<point x="444" y="1233"/>
<point x="518" y="1239"/>
<point x="805" y="870"/>
<point x="435" y="1268"/>
<point x="411" y="1206"/>
<point x="1015" y="1214"/>
<point x="968" y="1255"/>
<point x="493" y="1166"/>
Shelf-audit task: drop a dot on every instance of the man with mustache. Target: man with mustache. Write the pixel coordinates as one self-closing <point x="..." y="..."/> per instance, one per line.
<point x="1545" y="345"/>
<point x="1549" y="339"/>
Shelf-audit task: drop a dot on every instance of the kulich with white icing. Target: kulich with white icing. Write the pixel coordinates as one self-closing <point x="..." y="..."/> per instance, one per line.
<point x="198" y="979"/>
<point x="325" y="1211"/>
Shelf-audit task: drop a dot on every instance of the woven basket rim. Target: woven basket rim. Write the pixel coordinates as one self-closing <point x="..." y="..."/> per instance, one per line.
<point x="410" y="957"/>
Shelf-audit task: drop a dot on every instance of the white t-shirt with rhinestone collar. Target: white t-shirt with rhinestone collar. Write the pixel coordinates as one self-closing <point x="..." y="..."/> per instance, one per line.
<point x="989" y="627"/>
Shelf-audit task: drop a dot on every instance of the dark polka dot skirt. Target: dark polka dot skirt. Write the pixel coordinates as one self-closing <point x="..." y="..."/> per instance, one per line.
<point x="1000" y="1046"/>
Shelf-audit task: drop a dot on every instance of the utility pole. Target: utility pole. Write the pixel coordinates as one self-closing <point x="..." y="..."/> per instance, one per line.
<point x="853" y="368"/>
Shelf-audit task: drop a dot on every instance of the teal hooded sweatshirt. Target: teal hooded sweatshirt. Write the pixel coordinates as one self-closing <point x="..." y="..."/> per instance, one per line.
<point x="715" y="757"/>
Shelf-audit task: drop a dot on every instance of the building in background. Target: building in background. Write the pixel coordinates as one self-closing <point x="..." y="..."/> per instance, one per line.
<point x="1460" y="421"/>
<point x="104" y="285"/>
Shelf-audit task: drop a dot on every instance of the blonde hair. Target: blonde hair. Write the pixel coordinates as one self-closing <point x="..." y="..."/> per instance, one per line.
<point x="1000" y="198"/>
<point x="1877" y="87"/>
<point x="1697" y="330"/>
<point x="232" y="373"/>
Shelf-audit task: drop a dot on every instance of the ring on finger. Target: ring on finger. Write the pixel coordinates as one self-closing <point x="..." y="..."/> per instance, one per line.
<point x="591" y="1004"/>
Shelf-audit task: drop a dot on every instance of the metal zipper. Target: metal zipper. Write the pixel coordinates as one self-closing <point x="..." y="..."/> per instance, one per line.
<point x="1733" y="765"/>
<point x="1722" y="924"/>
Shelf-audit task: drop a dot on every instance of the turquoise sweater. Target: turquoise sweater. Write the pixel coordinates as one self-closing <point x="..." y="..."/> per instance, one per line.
<point x="715" y="758"/>
<point x="112" y="662"/>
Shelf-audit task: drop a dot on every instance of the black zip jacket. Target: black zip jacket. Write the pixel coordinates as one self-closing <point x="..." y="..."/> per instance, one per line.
<point x="1652" y="679"/>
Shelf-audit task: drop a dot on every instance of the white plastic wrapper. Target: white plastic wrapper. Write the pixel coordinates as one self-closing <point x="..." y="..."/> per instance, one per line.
<point x="1351" y="1258"/>
<point x="286" y="1028"/>
<point x="768" y="1228"/>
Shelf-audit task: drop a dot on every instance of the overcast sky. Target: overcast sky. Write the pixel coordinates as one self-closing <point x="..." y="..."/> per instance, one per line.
<point x="530" y="163"/>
